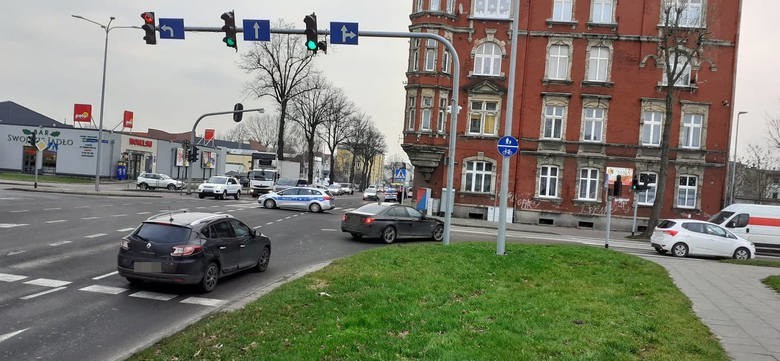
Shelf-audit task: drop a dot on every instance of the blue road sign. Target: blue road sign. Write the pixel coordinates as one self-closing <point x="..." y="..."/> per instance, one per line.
<point x="257" y="30"/>
<point x="507" y="146"/>
<point x="344" y="33"/>
<point x="171" y="28"/>
<point x="400" y="174"/>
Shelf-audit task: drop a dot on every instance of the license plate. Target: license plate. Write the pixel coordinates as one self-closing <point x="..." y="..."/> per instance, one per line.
<point x="147" y="267"/>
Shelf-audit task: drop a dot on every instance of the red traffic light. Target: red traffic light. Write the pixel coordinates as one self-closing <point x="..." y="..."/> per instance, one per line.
<point x="148" y="17"/>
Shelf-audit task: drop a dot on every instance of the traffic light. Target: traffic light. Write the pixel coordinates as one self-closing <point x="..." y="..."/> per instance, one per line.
<point x="193" y="156"/>
<point x="311" y="32"/>
<point x="149" y="35"/>
<point x="238" y="115"/>
<point x="33" y="139"/>
<point x="634" y="184"/>
<point x="617" y="187"/>
<point x="230" y="30"/>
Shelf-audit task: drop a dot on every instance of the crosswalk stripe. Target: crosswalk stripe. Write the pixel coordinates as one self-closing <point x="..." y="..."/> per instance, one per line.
<point x="88" y="218"/>
<point x="104" y="289"/>
<point x="153" y="295"/>
<point x="46" y="282"/>
<point x="19" y="211"/>
<point x="56" y="221"/>
<point x="96" y="235"/>
<point x="5" y="277"/>
<point x="202" y="301"/>
<point x="60" y="243"/>
<point x="105" y="275"/>
<point x="12" y="225"/>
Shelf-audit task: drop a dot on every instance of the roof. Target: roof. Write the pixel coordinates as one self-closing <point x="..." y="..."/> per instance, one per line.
<point x="184" y="218"/>
<point x="15" y="114"/>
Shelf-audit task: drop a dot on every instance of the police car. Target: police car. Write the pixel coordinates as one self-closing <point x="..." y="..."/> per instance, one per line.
<point x="312" y="199"/>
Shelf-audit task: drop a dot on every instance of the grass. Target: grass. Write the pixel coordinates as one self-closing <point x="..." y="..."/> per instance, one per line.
<point x="44" y="178"/>
<point x="753" y="262"/>
<point x="773" y="282"/>
<point x="460" y="302"/>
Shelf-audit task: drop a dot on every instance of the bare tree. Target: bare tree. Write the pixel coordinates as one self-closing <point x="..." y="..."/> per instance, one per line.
<point x="281" y="67"/>
<point x="339" y="126"/>
<point x="774" y="131"/>
<point x="262" y="129"/>
<point x="755" y="173"/>
<point x="309" y="111"/>
<point x="680" y="45"/>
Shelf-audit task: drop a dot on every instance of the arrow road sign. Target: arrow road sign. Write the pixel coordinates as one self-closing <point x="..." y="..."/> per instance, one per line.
<point x="507" y="146"/>
<point x="257" y="30"/>
<point x="171" y="28"/>
<point x="344" y="33"/>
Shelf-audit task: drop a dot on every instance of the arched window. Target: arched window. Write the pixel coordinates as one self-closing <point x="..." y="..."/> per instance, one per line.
<point x="487" y="59"/>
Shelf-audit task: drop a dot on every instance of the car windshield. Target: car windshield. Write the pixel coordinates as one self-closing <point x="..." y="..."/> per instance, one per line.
<point x="163" y="233"/>
<point x="261" y="175"/>
<point x="720" y="217"/>
<point x="217" y="180"/>
<point x="371" y="208"/>
<point x="287" y="182"/>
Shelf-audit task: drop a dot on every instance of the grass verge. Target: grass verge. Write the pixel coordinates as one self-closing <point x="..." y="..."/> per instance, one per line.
<point x="460" y="302"/>
<point x="44" y="178"/>
<point x="773" y="282"/>
<point x="753" y="262"/>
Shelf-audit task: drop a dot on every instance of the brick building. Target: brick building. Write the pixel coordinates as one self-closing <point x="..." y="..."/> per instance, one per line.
<point x="589" y="96"/>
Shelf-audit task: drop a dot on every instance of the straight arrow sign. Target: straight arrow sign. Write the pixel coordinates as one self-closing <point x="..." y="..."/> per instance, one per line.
<point x="344" y="33"/>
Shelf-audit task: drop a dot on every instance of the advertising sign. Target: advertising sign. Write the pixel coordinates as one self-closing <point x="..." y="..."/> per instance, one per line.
<point x="209" y="159"/>
<point x="209" y="136"/>
<point x="82" y="113"/>
<point x="128" y="119"/>
<point x="625" y="175"/>
<point x="180" y="161"/>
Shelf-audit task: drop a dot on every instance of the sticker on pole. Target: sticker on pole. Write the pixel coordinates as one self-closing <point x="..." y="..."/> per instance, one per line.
<point x="507" y="146"/>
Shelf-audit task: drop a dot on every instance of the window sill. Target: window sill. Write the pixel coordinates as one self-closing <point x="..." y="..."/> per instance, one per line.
<point x="571" y="23"/>
<point x="684" y="209"/>
<point x="556" y="200"/>
<point x="594" y="83"/>
<point x="611" y="26"/>
<point x="556" y="82"/>
<point x="478" y="194"/>
<point x="490" y="18"/>
<point x="481" y="136"/>
<point x="689" y="88"/>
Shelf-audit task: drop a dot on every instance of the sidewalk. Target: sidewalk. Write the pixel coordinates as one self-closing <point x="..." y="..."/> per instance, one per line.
<point x="107" y="188"/>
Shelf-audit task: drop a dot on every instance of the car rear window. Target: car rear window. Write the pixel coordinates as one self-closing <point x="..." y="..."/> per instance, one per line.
<point x="666" y="224"/>
<point x="163" y="233"/>
<point x="371" y="208"/>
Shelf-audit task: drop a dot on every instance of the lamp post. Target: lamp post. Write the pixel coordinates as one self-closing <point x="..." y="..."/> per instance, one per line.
<point x="107" y="28"/>
<point x="734" y="162"/>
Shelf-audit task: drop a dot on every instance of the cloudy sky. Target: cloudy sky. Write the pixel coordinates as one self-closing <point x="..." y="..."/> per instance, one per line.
<point x="51" y="60"/>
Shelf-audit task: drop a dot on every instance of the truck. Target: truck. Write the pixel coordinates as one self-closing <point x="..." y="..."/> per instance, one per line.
<point x="266" y="170"/>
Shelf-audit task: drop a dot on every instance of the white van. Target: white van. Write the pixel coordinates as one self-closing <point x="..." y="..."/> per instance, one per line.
<point x="757" y="223"/>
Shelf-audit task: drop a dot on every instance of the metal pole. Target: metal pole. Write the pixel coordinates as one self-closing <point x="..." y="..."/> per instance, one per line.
<point x="609" y="221"/>
<point x="510" y="99"/>
<point x="633" y="222"/>
<point x="102" y="102"/>
<point x="734" y="162"/>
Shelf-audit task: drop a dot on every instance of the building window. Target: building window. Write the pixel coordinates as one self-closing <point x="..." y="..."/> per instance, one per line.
<point x="593" y="124"/>
<point x="450" y="6"/>
<point x="691" y="16"/>
<point x="414" y="55"/>
<point x="598" y="64"/>
<point x="548" y="181"/>
<point x="647" y="198"/>
<point x="445" y="62"/>
<point x="434" y="5"/>
<point x="487" y="59"/>
<point x="652" y="122"/>
<point x="686" y="192"/>
<point x="589" y="181"/>
<point x="558" y="62"/>
<point x="441" y="122"/>
<point x="601" y="11"/>
<point x="680" y="68"/>
<point x="553" y="121"/>
<point x="427" y="103"/>
<point x="419" y="6"/>
<point x="492" y="8"/>
<point x="410" y="106"/>
<point x="430" y="55"/>
<point x="691" y="131"/>
<point x="479" y="176"/>
<point x="483" y="117"/>
<point x="562" y="10"/>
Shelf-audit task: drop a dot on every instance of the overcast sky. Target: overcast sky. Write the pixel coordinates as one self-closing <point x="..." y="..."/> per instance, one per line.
<point x="51" y="60"/>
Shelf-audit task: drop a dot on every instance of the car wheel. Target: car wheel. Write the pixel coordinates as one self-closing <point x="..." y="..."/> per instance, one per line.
<point x="269" y="203"/>
<point x="171" y="187"/>
<point x="201" y="195"/>
<point x="237" y="195"/>
<point x="356" y="236"/>
<point x="210" y="277"/>
<point x="315" y="208"/>
<point x="438" y="233"/>
<point x="742" y="253"/>
<point x="389" y="234"/>
<point x="262" y="262"/>
<point x="143" y="186"/>
<point x="660" y="250"/>
<point x="680" y="250"/>
<point x="134" y="281"/>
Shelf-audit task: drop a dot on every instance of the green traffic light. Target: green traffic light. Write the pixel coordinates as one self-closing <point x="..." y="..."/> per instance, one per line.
<point x="311" y="45"/>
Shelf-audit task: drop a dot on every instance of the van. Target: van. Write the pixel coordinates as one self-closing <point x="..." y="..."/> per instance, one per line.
<point x="756" y="223"/>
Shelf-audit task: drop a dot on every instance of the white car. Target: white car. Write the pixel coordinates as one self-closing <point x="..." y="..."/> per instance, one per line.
<point x="684" y="237"/>
<point x="335" y="189"/>
<point x="156" y="180"/>
<point x="369" y="194"/>
<point x="313" y="199"/>
<point x="220" y="187"/>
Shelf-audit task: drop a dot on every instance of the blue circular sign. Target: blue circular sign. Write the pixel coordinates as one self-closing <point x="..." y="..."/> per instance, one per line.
<point x="507" y="146"/>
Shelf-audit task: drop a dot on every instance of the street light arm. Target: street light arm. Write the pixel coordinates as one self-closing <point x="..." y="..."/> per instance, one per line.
<point x="91" y="21"/>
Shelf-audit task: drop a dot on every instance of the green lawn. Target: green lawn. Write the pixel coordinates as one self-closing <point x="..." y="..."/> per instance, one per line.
<point x="753" y="262"/>
<point x="460" y="302"/>
<point x="45" y="178"/>
<point x="773" y="281"/>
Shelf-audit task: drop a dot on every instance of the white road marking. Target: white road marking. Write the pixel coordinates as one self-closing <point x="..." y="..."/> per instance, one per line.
<point x="42" y="293"/>
<point x="88" y="218"/>
<point x="19" y="211"/>
<point x="60" y="243"/>
<point x="11" y="334"/>
<point x="11" y="278"/>
<point x="45" y="282"/>
<point x="105" y="275"/>
<point x="215" y="206"/>
<point x="329" y="230"/>
<point x="288" y="217"/>
<point x="15" y="252"/>
<point x="118" y="215"/>
<point x="153" y="295"/>
<point x="104" y="289"/>
<point x="256" y="227"/>
<point x="125" y="229"/>
<point x="143" y="212"/>
<point x="337" y="208"/>
<point x="12" y="225"/>
<point x="202" y="301"/>
<point x="200" y="207"/>
<point x="280" y="219"/>
<point x="269" y="223"/>
<point x="82" y="207"/>
<point x="96" y="235"/>
<point x="57" y="221"/>
<point x="52" y="209"/>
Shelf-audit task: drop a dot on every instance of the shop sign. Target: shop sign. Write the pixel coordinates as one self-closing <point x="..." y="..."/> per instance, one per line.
<point x="140" y="142"/>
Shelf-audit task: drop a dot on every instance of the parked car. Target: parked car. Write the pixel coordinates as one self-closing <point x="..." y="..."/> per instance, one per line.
<point x="242" y="178"/>
<point x="191" y="248"/>
<point x="335" y="188"/>
<point x="314" y="199"/>
<point x="684" y="237"/>
<point x="347" y="188"/>
<point x="390" y="222"/>
<point x="369" y="194"/>
<point x="284" y="183"/>
<point x="157" y="180"/>
<point x="220" y="187"/>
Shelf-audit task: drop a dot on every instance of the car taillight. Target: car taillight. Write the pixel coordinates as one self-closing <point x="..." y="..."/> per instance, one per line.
<point x="343" y="217"/>
<point x="327" y="198"/>
<point x="182" y="251"/>
<point x="368" y="220"/>
<point x="124" y="244"/>
<point x="671" y="232"/>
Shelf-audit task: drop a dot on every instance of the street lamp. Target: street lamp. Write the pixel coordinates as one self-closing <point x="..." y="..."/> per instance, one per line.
<point x="734" y="163"/>
<point x="107" y="28"/>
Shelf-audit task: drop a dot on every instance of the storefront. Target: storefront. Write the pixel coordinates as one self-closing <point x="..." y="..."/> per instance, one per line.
<point x="138" y="155"/>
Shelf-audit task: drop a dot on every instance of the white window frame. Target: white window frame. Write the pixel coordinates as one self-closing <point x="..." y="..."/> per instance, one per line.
<point x="441" y="122"/>
<point x="451" y="6"/>
<point x="647" y="197"/>
<point x="598" y="63"/>
<point x="685" y="70"/>
<point x="474" y="170"/>
<point x="430" y="59"/>
<point x="493" y="9"/>
<point x="483" y="112"/>
<point x="692" y="127"/>
<point x="602" y="11"/>
<point x="558" y="62"/>
<point x="445" y="62"/>
<point x="563" y="10"/>
<point x="420" y="6"/>
<point x="434" y="5"/>
<point x="593" y="120"/>
<point x="411" y="112"/>
<point x="553" y="124"/>
<point x="425" y="121"/>
<point x="692" y="15"/>
<point x="652" y="128"/>
<point x="548" y="181"/>
<point x="487" y="59"/>
<point x="589" y="184"/>
<point x="687" y="193"/>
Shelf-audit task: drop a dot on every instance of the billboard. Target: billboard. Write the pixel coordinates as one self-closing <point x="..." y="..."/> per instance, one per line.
<point x="128" y="120"/>
<point x="82" y="113"/>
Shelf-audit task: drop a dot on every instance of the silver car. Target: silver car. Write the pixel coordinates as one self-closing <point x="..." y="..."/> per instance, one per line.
<point x="309" y="198"/>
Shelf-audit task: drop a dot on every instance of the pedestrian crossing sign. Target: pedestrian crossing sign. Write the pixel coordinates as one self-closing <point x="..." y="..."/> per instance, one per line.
<point x="400" y="174"/>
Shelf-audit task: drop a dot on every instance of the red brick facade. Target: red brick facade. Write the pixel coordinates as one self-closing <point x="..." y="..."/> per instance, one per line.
<point x="588" y="97"/>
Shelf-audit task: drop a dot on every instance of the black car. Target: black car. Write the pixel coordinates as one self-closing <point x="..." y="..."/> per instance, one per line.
<point x="242" y="178"/>
<point x="390" y="222"/>
<point x="191" y="248"/>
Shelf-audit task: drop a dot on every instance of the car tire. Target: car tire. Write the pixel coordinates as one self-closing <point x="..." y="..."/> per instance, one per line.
<point x="660" y="250"/>
<point x="742" y="253"/>
<point x="680" y="250"/>
<point x="143" y="186"/>
<point x="201" y="195"/>
<point x="134" y="281"/>
<point x="171" y="187"/>
<point x="269" y="203"/>
<point x="237" y="195"/>
<point x="315" y="208"/>
<point x="438" y="233"/>
<point x="389" y="234"/>
<point x="356" y="236"/>
<point x="210" y="277"/>
<point x="223" y="195"/>
<point x="263" y="260"/>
